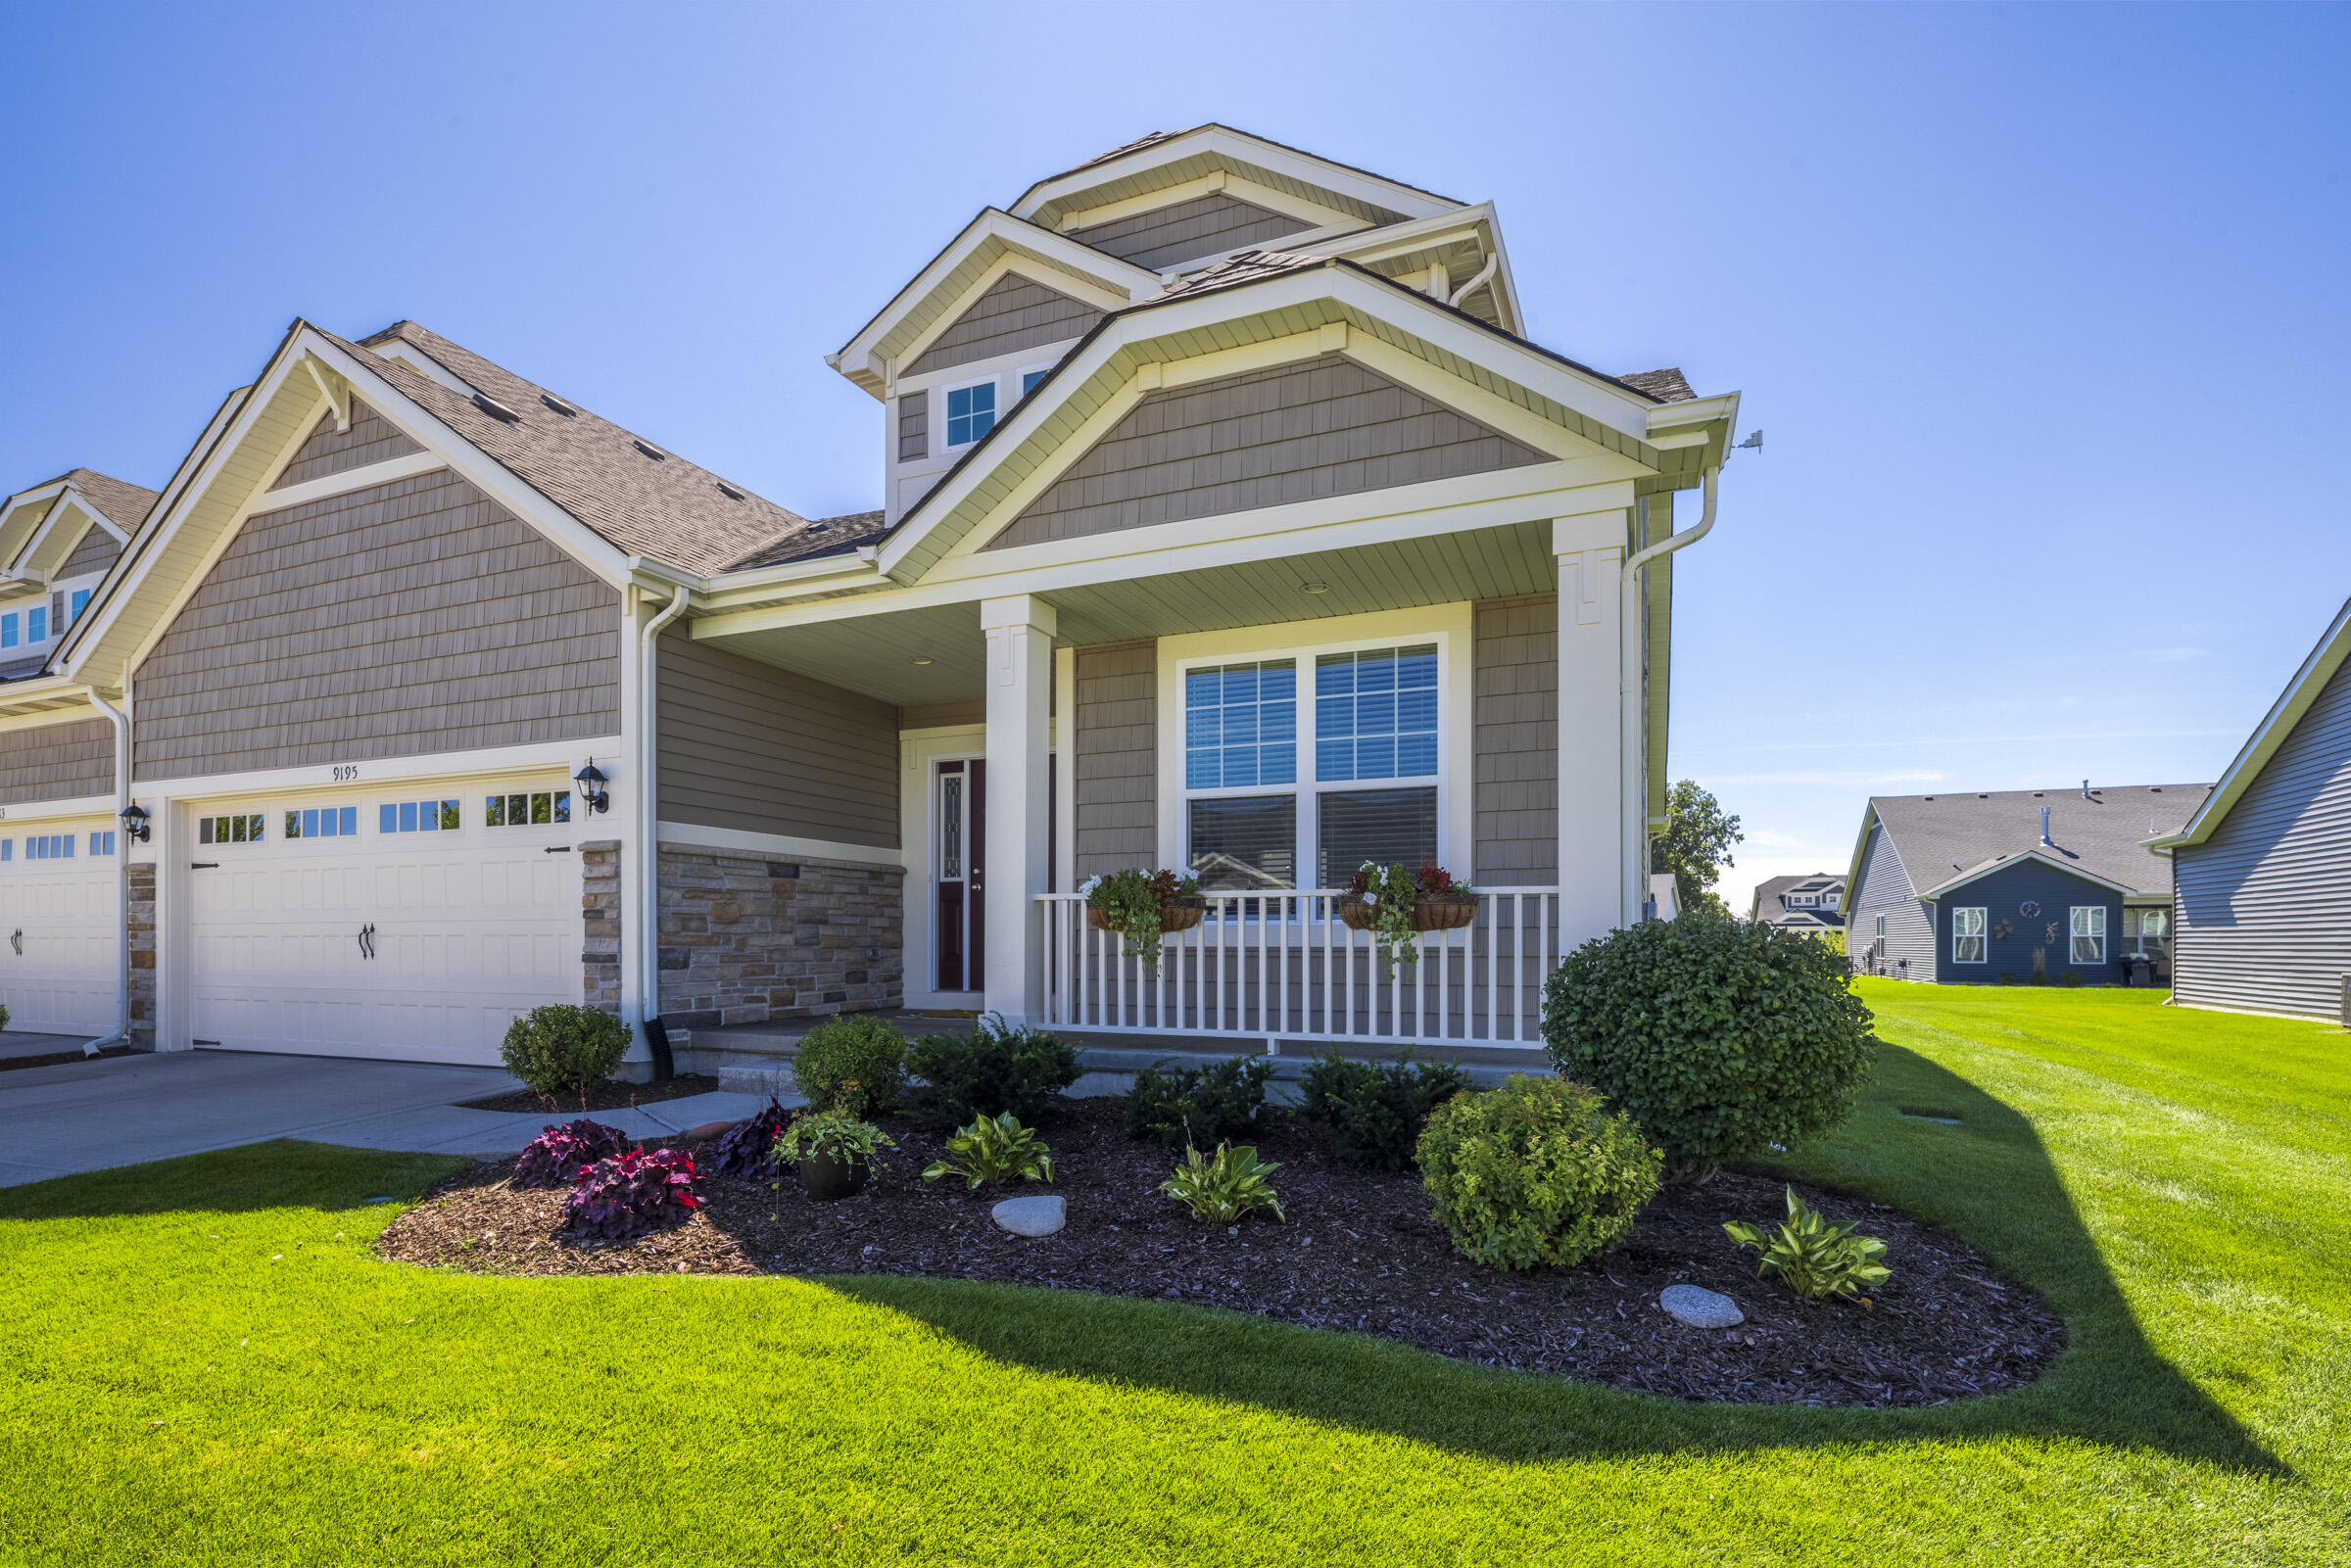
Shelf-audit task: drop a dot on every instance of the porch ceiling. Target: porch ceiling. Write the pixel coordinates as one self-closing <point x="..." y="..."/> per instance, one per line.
<point x="876" y="653"/>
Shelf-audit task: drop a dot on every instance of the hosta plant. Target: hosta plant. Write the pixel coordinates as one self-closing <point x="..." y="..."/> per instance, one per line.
<point x="555" y="1157"/>
<point x="1130" y="902"/>
<point x="744" y="1149"/>
<point x="833" y="1135"/>
<point x="995" y="1149"/>
<point x="632" y="1194"/>
<point x="1220" y="1189"/>
<point x="1813" y="1255"/>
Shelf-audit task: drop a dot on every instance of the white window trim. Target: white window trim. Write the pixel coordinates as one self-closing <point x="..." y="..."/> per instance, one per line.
<point x="1982" y="935"/>
<point x="1448" y="627"/>
<point x="2073" y="915"/>
<point x="948" y="390"/>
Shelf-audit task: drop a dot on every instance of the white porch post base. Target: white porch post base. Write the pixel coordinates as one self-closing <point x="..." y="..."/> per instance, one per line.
<point x="1592" y="854"/>
<point x="1020" y="674"/>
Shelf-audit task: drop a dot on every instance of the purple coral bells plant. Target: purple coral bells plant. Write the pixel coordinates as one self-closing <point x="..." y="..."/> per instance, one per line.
<point x="632" y="1194"/>
<point x="555" y="1157"/>
<point x="746" y="1149"/>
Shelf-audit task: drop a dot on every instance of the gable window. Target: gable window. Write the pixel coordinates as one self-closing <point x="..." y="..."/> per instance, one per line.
<point x="1029" y="379"/>
<point x="242" y="829"/>
<point x="526" y="809"/>
<point x="2089" y="933"/>
<point x="36" y="624"/>
<point x="8" y="631"/>
<point x="79" y="602"/>
<point x="420" y="815"/>
<point x="323" y="821"/>
<point x="971" y="412"/>
<point x="1967" y="936"/>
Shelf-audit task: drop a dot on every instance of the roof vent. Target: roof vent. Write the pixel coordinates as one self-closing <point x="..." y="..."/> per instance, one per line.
<point x="495" y="409"/>
<point x="2086" y="788"/>
<point x="2044" y="826"/>
<point x="727" y="491"/>
<point x="560" y="407"/>
<point x="656" y="455"/>
<point x="818" y="528"/>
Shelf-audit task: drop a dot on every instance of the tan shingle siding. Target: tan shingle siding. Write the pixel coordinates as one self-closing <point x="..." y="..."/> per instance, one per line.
<point x="95" y="553"/>
<point x="1514" y="729"/>
<point x="56" y="762"/>
<point x="371" y="438"/>
<point x="1183" y="232"/>
<point x="1114" y="754"/>
<point x="1014" y="314"/>
<point x="406" y="619"/>
<point x="914" y="426"/>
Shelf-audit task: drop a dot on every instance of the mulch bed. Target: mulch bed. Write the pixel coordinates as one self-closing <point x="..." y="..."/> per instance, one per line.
<point x="58" y="1059"/>
<point x="611" y="1097"/>
<point x="1360" y="1254"/>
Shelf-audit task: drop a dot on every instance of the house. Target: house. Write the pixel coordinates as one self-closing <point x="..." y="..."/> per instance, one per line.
<point x="1807" y="904"/>
<point x="2014" y="884"/>
<point x="1230" y="520"/>
<point x="2258" y="921"/>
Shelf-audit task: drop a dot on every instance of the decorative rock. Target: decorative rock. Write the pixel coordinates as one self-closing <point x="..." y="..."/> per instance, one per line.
<point x="1700" y="1309"/>
<point x="1030" y="1216"/>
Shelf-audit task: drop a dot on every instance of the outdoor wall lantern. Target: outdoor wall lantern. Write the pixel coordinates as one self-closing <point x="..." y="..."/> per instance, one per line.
<point x="134" y="822"/>
<point x="592" y="781"/>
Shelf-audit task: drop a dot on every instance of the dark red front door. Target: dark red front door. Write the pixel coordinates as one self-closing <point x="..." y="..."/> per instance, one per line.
<point x="959" y="810"/>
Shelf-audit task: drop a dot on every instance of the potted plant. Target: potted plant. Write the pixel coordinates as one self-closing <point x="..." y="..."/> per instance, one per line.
<point x="1394" y="905"/>
<point x="1137" y="906"/>
<point x="835" y="1153"/>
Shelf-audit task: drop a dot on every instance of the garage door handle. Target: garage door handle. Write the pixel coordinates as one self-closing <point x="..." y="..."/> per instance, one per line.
<point x="204" y="865"/>
<point x="367" y="940"/>
<point x="15" y="940"/>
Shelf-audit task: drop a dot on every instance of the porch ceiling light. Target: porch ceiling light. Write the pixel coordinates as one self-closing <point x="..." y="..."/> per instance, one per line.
<point x="1314" y="587"/>
<point x="134" y="823"/>
<point x="920" y="659"/>
<point x="591" y="782"/>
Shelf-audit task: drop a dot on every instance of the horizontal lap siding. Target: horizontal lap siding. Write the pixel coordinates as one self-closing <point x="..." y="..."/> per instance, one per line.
<point x="748" y="747"/>
<point x="371" y="438"/>
<point x="2002" y="895"/>
<point x="404" y="619"/>
<point x="1114" y="755"/>
<point x="95" y="553"/>
<point x="1325" y="426"/>
<point x="1014" y="314"/>
<point x="56" y="762"/>
<point x="2264" y="906"/>
<point x="1208" y="225"/>
<point x="1884" y="889"/>
<point x="1514" y="726"/>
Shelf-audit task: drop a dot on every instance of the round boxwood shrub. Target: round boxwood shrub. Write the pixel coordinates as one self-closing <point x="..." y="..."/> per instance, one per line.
<point x="854" y="1063"/>
<point x="1536" y="1172"/>
<point x="565" y="1049"/>
<point x="1718" y="1039"/>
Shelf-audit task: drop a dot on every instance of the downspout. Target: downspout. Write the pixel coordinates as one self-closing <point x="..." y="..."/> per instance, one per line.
<point x="1485" y="275"/>
<point x="121" y="723"/>
<point x="1629" y="700"/>
<point x="648" y="879"/>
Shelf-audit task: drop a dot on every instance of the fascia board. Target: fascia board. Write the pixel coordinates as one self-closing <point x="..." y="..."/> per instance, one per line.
<point x="2317" y="669"/>
<point x="1853" y="873"/>
<point x="424" y="364"/>
<point x="41" y="700"/>
<point x="20" y="555"/>
<point x="1935" y="894"/>
<point x="1006" y="261"/>
<point x="1362" y="186"/>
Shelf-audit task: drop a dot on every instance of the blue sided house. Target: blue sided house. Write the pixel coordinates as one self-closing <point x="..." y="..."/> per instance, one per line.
<point x="2015" y="885"/>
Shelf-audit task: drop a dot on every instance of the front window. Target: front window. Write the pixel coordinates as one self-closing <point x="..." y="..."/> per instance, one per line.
<point x="2089" y="933"/>
<point x="971" y="412"/>
<point x="1261" y="809"/>
<point x="1967" y="936"/>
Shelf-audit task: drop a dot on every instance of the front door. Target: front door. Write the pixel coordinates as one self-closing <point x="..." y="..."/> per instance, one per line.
<point x="959" y="853"/>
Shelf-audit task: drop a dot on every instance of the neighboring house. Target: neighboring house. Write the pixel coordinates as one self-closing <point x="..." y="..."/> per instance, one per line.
<point x="56" y="541"/>
<point x="2262" y="867"/>
<point x="2005" y="885"/>
<point x="1807" y="904"/>
<point x="1231" y="522"/>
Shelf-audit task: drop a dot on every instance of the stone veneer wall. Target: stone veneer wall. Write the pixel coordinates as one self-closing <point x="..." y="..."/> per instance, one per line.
<point x="141" y="916"/>
<point x="600" y="913"/>
<point x="747" y="936"/>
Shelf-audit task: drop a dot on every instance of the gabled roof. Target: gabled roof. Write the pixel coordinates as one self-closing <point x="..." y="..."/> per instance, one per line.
<point x="1164" y="146"/>
<point x="2319" y="667"/>
<point x="1949" y="837"/>
<point x="662" y="507"/>
<point x="2046" y="857"/>
<point x="1772" y="889"/>
<point x="122" y="502"/>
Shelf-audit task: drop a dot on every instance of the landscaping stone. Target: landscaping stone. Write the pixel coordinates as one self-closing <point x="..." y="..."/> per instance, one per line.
<point x="1700" y="1309"/>
<point x="1030" y="1216"/>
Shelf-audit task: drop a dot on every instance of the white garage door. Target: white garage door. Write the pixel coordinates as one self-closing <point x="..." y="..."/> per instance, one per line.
<point x="59" y="951"/>
<point x="414" y="928"/>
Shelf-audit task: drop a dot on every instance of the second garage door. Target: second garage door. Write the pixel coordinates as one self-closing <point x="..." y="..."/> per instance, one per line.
<point x="59" y="946"/>
<point x="411" y="929"/>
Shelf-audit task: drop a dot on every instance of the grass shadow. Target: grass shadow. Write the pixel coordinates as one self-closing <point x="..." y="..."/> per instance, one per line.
<point x="275" y="1174"/>
<point x="1989" y="1179"/>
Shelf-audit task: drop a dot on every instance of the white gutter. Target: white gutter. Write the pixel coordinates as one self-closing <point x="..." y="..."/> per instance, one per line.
<point x="640" y="944"/>
<point x="1631" y="708"/>
<point x="121" y="723"/>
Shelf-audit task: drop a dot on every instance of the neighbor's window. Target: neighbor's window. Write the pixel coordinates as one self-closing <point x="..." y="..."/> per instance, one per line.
<point x="322" y="822"/>
<point x="2154" y="925"/>
<point x="525" y="811"/>
<point x="1881" y="926"/>
<point x="1967" y="936"/>
<point x="971" y="412"/>
<point x="2089" y="933"/>
<point x="244" y="828"/>
<point x="417" y="816"/>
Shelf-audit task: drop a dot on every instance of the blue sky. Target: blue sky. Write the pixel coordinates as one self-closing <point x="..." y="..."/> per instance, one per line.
<point x="2041" y="308"/>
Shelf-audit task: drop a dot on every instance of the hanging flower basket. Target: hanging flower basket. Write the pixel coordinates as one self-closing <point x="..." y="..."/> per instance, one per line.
<point x="1447" y="914"/>
<point x="1174" y="915"/>
<point x="1139" y="905"/>
<point x="1395" y="906"/>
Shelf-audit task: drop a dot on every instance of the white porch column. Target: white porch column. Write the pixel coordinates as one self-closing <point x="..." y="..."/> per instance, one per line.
<point x="1589" y="549"/>
<point x="1019" y="674"/>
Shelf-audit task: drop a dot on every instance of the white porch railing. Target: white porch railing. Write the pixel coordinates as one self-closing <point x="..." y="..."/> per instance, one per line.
<point x="1285" y="967"/>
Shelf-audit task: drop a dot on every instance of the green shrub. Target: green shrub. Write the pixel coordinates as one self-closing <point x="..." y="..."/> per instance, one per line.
<point x="1188" y="1107"/>
<point x="994" y="1071"/>
<point x="995" y="1149"/>
<point x="834" y="1135"/>
<point x="1220" y="1190"/>
<point x="2069" y="978"/>
<point x="854" y="1063"/>
<point x="1372" y="1116"/>
<point x="565" y="1049"/>
<point x="1718" y="1039"/>
<point x="1535" y="1172"/>
<point x="1812" y="1257"/>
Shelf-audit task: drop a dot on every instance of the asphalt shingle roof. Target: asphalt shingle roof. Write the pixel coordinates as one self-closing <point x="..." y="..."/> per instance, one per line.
<point x="1667" y="386"/>
<point x="124" y="504"/>
<point x="2100" y="835"/>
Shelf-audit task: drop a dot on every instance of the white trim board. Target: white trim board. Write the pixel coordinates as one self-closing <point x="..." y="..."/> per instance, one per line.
<point x="689" y="835"/>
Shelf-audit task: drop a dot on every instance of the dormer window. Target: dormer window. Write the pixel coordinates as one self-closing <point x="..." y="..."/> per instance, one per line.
<point x="971" y="412"/>
<point x="1029" y="379"/>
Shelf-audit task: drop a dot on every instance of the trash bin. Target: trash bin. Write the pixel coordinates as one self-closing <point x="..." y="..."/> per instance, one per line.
<point x="2138" y="970"/>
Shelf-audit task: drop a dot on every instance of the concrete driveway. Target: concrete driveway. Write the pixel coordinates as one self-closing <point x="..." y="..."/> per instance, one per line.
<point x="120" y="1111"/>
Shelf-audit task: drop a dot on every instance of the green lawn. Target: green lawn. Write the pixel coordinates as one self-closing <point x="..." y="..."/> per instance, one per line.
<point x="2173" y="1182"/>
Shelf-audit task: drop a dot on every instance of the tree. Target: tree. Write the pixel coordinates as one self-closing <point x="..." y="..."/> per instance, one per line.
<point x="1695" y="845"/>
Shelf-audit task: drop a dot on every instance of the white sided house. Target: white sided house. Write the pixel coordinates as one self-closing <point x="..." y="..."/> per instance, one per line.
<point x="1229" y="522"/>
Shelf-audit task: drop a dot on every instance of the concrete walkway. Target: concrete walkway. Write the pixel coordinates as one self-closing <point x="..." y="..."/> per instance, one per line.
<point x="122" y="1110"/>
